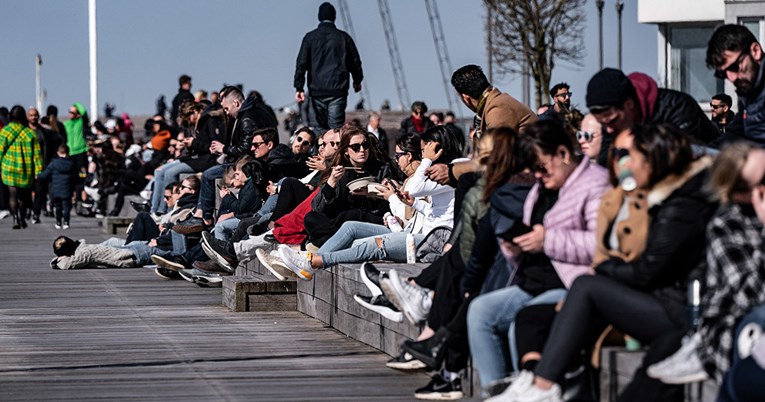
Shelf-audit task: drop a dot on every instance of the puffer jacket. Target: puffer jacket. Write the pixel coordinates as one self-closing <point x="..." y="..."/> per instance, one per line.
<point x="61" y="172"/>
<point x="254" y="115"/>
<point x="95" y="255"/>
<point x="570" y="223"/>
<point x="679" y="211"/>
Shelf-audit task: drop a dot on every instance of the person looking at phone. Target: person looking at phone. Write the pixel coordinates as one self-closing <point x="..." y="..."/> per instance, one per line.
<point x="560" y="213"/>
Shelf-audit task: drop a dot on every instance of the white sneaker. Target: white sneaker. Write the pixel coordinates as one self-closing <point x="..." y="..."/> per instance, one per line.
<point x="682" y="367"/>
<point x="5" y="213"/>
<point x="145" y="194"/>
<point x="412" y="300"/>
<point x="298" y="261"/>
<point x="522" y="384"/>
<point x="57" y="226"/>
<point x="275" y="265"/>
<point x="66" y="226"/>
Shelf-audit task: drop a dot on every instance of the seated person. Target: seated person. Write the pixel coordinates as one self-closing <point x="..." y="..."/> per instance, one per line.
<point x="245" y="176"/>
<point x="363" y="241"/>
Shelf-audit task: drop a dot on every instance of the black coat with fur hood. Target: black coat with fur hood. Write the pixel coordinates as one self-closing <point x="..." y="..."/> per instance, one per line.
<point x="679" y="210"/>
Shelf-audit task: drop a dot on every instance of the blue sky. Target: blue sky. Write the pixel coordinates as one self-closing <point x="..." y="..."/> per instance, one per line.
<point x="144" y="45"/>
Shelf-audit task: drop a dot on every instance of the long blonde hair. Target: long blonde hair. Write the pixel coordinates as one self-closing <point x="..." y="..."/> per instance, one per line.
<point x="726" y="179"/>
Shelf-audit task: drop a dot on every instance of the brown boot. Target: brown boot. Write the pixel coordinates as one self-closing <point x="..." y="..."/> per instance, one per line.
<point x="210" y="266"/>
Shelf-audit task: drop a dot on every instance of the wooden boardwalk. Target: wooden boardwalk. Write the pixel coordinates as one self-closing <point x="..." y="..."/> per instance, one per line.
<point x="126" y="334"/>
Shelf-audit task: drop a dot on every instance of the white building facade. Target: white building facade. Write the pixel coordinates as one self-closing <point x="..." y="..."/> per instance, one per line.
<point x="685" y="27"/>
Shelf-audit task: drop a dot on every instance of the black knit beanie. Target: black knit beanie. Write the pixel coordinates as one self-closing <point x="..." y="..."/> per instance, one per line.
<point x="609" y="87"/>
<point x="327" y="12"/>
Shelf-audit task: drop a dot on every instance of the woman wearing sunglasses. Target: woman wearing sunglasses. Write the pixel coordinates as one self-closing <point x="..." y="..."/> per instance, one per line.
<point x="644" y="298"/>
<point x="357" y="156"/>
<point x="359" y="241"/>
<point x="590" y="137"/>
<point x="556" y="247"/>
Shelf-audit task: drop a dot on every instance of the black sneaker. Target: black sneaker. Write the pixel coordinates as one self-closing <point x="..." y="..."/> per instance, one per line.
<point x="165" y="273"/>
<point x="218" y="250"/>
<point x="405" y="361"/>
<point x="439" y="389"/>
<point x="209" y="280"/>
<point x="140" y="206"/>
<point x="173" y="263"/>
<point x="371" y="277"/>
<point x="380" y="305"/>
<point x="36" y="220"/>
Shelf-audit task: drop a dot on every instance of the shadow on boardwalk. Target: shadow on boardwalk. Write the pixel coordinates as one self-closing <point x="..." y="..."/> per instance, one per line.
<point x="109" y="334"/>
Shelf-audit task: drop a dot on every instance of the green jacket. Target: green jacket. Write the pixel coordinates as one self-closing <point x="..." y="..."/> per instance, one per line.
<point x="75" y="135"/>
<point x="20" y="157"/>
<point x="473" y="209"/>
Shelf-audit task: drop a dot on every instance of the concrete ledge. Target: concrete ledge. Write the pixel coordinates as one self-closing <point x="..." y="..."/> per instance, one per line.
<point x="111" y="224"/>
<point x="258" y="293"/>
<point x="329" y="298"/>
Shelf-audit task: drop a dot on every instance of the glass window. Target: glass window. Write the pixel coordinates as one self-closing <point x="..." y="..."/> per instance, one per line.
<point x="754" y="25"/>
<point x="689" y="68"/>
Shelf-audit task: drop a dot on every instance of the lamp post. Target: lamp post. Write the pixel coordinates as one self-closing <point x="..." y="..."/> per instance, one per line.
<point x="599" y="4"/>
<point x="619" y="8"/>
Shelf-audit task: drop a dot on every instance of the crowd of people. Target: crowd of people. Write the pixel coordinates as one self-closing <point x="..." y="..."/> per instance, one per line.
<point x="547" y="234"/>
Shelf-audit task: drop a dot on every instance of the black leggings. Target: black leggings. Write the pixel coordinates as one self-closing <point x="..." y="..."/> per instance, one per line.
<point x="291" y="193"/>
<point x="19" y="199"/>
<point x="592" y="303"/>
<point x="144" y="228"/>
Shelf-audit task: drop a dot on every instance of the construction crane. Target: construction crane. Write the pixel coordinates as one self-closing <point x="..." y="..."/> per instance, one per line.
<point x="443" y="55"/>
<point x="345" y="14"/>
<point x="395" y="57"/>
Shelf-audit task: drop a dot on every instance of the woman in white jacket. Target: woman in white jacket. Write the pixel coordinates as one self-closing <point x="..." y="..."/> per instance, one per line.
<point x="433" y="206"/>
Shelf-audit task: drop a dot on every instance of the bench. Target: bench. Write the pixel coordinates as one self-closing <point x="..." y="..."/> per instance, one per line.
<point x="258" y="293"/>
<point x="329" y="298"/>
<point x="110" y="224"/>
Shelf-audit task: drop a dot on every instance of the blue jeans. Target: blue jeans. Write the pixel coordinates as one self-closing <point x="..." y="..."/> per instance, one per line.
<point x="490" y="317"/>
<point x="142" y="252"/>
<point x="224" y="229"/>
<point x="329" y="111"/>
<point x="357" y="242"/>
<point x="163" y="176"/>
<point x="206" y="201"/>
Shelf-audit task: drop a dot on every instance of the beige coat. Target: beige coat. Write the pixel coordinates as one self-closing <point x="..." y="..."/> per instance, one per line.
<point x="631" y="232"/>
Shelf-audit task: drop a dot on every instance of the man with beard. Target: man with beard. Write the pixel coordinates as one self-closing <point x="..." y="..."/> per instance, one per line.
<point x="734" y="54"/>
<point x="722" y="115"/>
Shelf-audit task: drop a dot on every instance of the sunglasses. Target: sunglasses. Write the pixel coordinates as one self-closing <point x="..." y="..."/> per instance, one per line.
<point x="713" y="106"/>
<point x="619" y="153"/>
<point x="72" y="112"/>
<point x="723" y="74"/>
<point x="357" y="147"/>
<point x="167" y="197"/>
<point x="399" y="154"/>
<point x="302" y="142"/>
<point x="257" y="144"/>
<point x="588" y="136"/>
<point x="321" y="145"/>
<point x="564" y="95"/>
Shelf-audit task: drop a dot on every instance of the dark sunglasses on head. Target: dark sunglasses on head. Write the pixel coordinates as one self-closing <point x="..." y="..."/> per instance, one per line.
<point x="722" y="74"/>
<point x="588" y="136"/>
<point x="357" y="147"/>
<point x="619" y="153"/>
<point x="303" y="142"/>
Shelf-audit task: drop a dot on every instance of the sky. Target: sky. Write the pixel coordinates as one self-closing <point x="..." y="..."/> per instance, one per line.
<point x="145" y="45"/>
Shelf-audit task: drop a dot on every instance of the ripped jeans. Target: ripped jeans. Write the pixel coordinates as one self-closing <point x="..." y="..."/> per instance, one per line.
<point x="362" y="241"/>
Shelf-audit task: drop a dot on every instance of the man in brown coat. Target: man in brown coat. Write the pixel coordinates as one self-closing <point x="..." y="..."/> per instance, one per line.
<point x="495" y="109"/>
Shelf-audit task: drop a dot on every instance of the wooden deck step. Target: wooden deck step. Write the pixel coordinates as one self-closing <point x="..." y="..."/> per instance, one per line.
<point x="257" y="292"/>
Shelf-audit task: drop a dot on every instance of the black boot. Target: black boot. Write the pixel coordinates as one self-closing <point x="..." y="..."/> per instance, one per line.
<point x="16" y="223"/>
<point x="430" y="351"/>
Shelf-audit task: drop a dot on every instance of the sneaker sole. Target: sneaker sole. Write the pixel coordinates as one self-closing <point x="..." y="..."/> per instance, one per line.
<point x="373" y="287"/>
<point x="186" y="276"/>
<point x="281" y="273"/>
<point x="218" y="258"/>
<point x="302" y="274"/>
<point x="686" y="379"/>
<point x="441" y="396"/>
<point x="167" y="264"/>
<point x="391" y="292"/>
<point x="413" y="364"/>
<point x="386" y="312"/>
<point x="203" y="282"/>
<point x="168" y="276"/>
<point x="185" y="230"/>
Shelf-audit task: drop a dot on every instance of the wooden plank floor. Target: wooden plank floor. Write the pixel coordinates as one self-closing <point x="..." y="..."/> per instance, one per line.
<point x="126" y="334"/>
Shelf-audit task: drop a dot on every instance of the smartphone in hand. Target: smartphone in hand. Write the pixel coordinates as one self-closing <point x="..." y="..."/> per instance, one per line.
<point x="518" y="229"/>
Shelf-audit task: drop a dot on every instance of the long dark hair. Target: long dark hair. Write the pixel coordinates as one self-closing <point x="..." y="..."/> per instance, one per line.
<point x="52" y="114"/>
<point x="444" y="137"/>
<point x="505" y="159"/>
<point x="410" y="143"/>
<point x="376" y="157"/>
<point x="546" y="136"/>
<point x="666" y="149"/>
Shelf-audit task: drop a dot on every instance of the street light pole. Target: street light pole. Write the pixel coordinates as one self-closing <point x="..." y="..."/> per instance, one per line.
<point x="599" y="4"/>
<point x="93" y="112"/>
<point x="619" y="8"/>
<point x="38" y="87"/>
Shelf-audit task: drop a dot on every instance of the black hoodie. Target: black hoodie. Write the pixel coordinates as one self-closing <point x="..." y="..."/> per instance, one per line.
<point x="254" y="115"/>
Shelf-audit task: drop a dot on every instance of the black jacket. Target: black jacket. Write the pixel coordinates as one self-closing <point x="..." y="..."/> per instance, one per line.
<point x="328" y="55"/>
<point x="407" y="126"/>
<point x="675" y="246"/>
<point x="61" y="173"/>
<point x="211" y="126"/>
<point x="246" y="204"/>
<point x="681" y="110"/>
<point x="254" y="115"/>
<point x="49" y="142"/>
<point x="332" y="201"/>
<point x="282" y="162"/>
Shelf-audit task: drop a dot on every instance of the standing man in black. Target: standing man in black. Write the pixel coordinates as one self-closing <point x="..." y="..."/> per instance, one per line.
<point x="184" y="94"/>
<point x="328" y="55"/>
